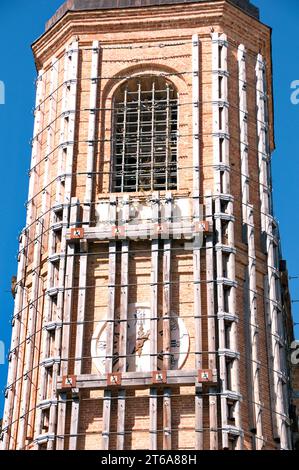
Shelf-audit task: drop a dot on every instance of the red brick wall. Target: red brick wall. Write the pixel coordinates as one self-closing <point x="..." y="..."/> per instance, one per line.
<point x="147" y="27"/>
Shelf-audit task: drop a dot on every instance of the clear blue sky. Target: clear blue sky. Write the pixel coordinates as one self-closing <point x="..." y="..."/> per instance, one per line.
<point x="21" y="22"/>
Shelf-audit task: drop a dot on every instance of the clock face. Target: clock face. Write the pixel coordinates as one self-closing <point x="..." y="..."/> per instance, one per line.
<point x="98" y="347"/>
<point x="138" y="342"/>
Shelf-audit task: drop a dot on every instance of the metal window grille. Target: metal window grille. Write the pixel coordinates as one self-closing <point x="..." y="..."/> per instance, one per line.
<point x="145" y="136"/>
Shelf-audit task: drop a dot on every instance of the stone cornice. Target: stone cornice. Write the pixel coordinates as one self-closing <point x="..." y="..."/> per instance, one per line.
<point x="75" y="23"/>
<point x="88" y="5"/>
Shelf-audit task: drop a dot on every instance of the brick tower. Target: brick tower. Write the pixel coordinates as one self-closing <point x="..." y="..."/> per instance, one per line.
<point x="148" y="311"/>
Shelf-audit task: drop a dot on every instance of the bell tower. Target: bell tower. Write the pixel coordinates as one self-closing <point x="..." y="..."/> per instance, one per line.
<point x="148" y="310"/>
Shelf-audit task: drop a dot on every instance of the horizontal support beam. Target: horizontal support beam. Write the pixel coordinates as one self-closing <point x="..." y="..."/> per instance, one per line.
<point x="177" y="230"/>
<point x="133" y="380"/>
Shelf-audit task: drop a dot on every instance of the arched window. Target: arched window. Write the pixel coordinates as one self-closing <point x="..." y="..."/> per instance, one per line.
<point x="145" y="135"/>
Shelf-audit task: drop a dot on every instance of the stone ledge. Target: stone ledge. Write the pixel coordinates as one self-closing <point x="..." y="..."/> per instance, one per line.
<point x="81" y="5"/>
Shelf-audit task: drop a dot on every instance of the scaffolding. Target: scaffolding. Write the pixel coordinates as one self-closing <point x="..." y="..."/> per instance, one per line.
<point x="145" y="169"/>
<point x="250" y="274"/>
